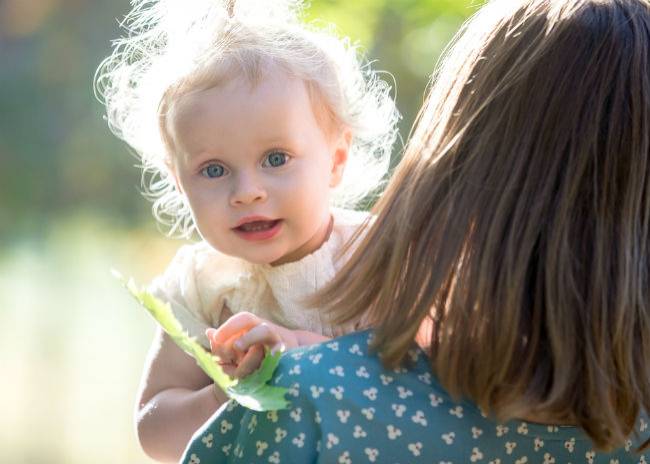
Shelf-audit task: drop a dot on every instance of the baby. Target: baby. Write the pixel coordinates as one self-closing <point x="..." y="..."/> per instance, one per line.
<point x="254" y="125"/>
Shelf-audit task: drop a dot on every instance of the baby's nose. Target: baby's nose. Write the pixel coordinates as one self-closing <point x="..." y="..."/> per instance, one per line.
<point x="247" y="191"/>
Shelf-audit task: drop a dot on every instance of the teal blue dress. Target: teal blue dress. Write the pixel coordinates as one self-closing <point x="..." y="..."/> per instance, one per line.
<point x="347" y="408"/>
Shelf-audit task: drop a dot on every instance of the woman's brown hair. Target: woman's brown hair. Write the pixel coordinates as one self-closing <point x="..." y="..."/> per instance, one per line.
<point x="517" y="227"/>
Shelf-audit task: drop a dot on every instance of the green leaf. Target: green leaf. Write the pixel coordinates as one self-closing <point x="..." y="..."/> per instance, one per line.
<point x="252" y="392"/>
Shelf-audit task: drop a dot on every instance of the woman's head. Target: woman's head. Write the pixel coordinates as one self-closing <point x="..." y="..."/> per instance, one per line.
<point x="178" y="49"/>
<point x="517" y="227"/>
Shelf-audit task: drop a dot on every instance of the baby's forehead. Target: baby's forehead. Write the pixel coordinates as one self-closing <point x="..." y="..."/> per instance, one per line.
<point x="273" y="85"/>
<point x="270" y="101"/>
<point x="273" y="108"/>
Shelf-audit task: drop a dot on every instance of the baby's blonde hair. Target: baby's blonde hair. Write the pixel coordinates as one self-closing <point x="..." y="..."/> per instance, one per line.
<point x="173" y="48"/>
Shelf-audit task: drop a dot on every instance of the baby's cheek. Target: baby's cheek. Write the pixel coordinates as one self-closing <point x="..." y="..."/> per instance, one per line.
<point x="312" y="197"/>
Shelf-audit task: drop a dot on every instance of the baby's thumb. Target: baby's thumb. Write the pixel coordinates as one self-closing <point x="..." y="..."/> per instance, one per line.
<point x="211" y="333"/>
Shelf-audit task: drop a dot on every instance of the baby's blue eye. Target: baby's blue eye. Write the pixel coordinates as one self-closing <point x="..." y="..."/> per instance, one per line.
<point x="276" y="159"/>
<point x="213" y="171"/>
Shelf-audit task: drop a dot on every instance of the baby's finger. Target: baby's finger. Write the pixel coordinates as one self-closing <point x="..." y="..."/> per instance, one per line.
<point x="262" y="334"/>
<point x="229" y="369"/>
<point x="216" y="347"/>
<point x="210" y="334"/>
<point x="250" y="362"/>
<point x="240" y="322"/>
<point x="224" y="351"/>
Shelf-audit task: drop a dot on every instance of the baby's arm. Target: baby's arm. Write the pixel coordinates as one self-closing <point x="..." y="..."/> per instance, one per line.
<point x="239" y="342"/>
<point x="176" y="397"/>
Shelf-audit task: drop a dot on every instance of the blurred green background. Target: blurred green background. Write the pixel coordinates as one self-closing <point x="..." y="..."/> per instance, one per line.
<point x="73" y="342"/>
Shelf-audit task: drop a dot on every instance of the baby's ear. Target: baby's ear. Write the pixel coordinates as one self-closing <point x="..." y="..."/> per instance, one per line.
<point x="173" y="173"/>
<point x="178" y="184"/>
<point x="340" y="157"/>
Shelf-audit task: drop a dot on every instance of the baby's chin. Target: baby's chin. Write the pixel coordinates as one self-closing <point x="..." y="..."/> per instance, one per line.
<point x="252" y="253"/>
<point x="271" y="259"/>
<point x="271" y="254"/>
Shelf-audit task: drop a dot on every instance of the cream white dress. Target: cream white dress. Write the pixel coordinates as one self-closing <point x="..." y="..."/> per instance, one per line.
<point x="200" y="282"/>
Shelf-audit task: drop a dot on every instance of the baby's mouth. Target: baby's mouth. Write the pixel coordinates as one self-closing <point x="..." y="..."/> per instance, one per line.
<point x="257" y="226"/>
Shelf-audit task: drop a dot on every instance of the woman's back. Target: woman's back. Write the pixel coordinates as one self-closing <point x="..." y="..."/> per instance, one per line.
<point x="347" y="408"/>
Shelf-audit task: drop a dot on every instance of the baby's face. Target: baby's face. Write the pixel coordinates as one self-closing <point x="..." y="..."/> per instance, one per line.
<point x="256" y="167"/>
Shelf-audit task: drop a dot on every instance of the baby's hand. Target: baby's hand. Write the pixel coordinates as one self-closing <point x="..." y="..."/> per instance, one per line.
<point x="240" y="342"/>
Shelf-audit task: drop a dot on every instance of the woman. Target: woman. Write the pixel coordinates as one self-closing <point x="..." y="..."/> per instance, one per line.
<point x="514" y="244"/>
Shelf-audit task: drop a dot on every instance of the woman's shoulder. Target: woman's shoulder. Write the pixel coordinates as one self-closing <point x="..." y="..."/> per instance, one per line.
<point x="350" y="362"/>
<point x="407" y="412"/>
<point x="353" y="346"/>
<point x="335" y="350"/>
<point x="345" y="370"/>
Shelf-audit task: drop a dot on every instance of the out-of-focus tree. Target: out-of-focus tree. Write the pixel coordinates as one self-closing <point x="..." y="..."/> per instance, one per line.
<point x="403" y="37"/>
<point x="56" y="154"/>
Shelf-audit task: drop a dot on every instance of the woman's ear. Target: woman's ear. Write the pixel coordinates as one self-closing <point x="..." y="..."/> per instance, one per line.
<point x="340" y="157"/>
